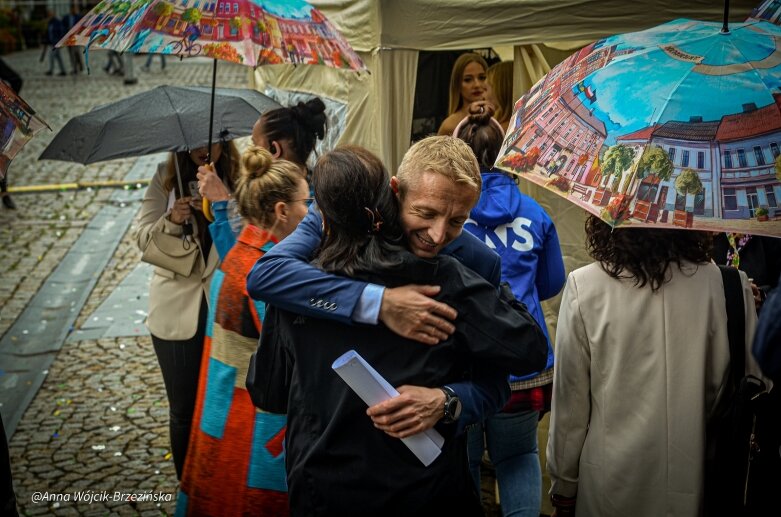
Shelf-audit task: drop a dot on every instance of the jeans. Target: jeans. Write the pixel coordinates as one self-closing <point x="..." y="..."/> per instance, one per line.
<point x="180" y="362"/>
<point x="54" y="55"/>
<point x="511" y="440"/>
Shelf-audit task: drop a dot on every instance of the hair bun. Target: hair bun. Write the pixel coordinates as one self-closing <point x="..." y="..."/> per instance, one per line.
<point x="312" y="115"/>
<point x="481" y="114"/>
<point x="255" y="162"/>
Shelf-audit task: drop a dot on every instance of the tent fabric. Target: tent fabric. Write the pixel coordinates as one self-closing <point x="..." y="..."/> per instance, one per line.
<point x="459" y="24"/>
<point x="388" y="33"/>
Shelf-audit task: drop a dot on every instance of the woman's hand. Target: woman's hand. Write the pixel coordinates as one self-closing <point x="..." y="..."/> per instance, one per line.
<point x="481" y="107"/>
<point x="210" y="185"/>
<point x="181" y="210"/>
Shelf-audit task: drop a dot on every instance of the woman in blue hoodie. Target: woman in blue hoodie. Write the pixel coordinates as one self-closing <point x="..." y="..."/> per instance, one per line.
<point x="522" y="233"/>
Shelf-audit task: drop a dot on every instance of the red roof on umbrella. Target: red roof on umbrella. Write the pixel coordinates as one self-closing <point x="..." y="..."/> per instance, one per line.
<point x="640" y="134"/>
<point x="751" y="123"/>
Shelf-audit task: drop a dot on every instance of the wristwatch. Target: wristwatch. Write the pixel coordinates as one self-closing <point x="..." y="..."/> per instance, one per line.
<point x="452" y="405"/>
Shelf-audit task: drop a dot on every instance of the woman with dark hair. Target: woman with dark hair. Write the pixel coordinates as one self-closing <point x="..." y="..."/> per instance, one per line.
<point x="177" y="303"/>
<point x="338" y="463"/>
<point x="288" y="134"/>
<point x="642" y="356"/>
<point x="522" y="233"/>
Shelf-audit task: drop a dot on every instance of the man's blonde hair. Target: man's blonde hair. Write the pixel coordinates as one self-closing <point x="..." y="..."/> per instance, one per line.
<point x="445" y="155"/>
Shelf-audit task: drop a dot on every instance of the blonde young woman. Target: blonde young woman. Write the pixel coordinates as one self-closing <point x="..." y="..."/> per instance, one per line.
<point x="177" y="303"/>
<point x="235" y="464"/>
<point x="467" y="85"/>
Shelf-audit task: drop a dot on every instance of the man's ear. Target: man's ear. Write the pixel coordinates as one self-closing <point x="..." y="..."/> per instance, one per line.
<point x="394" y="184"/>
<point x="276" y="150"/>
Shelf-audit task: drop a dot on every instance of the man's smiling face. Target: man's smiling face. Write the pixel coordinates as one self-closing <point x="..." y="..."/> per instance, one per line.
<point x="434" y="209"/>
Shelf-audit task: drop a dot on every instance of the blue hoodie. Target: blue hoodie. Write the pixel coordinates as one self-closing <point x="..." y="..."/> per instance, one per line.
<point x="522" y="233"/>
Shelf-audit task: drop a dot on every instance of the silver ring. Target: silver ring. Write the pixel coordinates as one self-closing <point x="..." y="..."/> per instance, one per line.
<point x="481" y="109"/>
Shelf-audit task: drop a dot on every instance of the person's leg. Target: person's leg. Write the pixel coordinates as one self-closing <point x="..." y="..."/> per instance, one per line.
<point x="7" y="201"/>
<point x="180" y="362"/>
<point x="511" y="439"/>
<point x="475" y="447"/>
<point x="58" y="56"/>
<point x="7" y="495"/>
<point x="162" y="61"/>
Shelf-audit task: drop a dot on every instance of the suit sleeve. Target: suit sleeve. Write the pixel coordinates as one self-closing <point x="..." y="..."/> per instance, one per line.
<point x="482" y="396"/>
<point x="767" y="340"/>
<point x="497" y="329"/>
<point x="270" y="368"/>
<point x="284" y="277"/>
<point x="571" y="409"/>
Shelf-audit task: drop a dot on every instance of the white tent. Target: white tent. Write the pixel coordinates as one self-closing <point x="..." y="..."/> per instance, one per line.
<point x="389" y="33"/>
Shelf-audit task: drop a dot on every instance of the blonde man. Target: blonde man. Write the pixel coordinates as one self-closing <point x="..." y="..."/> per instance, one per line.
<point x="437" y="185"/>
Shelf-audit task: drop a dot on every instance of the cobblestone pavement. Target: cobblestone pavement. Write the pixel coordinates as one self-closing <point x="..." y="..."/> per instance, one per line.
<point x="97" y="428"/>
<point x="98" y="425"/>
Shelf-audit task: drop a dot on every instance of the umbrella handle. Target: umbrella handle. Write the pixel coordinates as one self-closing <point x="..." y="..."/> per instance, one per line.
<point x="206" y="206"/>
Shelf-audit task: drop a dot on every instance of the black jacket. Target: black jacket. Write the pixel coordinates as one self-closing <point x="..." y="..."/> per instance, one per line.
<point x="337" y="462"/>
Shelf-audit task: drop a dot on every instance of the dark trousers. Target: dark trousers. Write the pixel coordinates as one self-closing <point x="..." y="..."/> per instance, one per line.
<point x="7" y="496"/>
<point x="180" y="362"/>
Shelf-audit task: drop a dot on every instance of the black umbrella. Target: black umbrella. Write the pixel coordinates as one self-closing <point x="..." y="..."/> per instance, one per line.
<point x="166" y="118"/>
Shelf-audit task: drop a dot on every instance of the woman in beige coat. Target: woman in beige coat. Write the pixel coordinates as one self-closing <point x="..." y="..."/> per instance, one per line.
<point x="642" y="355"/>
<point x="178" y="302"/>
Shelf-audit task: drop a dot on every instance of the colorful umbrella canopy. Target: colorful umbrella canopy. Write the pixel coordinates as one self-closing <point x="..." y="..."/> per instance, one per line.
<point x="249" y="32"/>
<point x="677" y="126"/>
<point x="18" y="124"/>
<point x="769" y="10"/>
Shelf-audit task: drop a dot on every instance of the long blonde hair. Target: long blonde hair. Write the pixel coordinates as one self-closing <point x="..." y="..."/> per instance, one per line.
<point x="263" y="183"/>
<point x="500" y="77"/>
<point x="457" y="75"/>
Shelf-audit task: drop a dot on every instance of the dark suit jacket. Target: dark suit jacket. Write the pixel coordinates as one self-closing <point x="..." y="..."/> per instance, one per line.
<point x="337" y="462"/>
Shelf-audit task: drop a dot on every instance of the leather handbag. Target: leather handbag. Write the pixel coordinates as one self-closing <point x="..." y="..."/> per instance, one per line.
<point x="171" y="252"/>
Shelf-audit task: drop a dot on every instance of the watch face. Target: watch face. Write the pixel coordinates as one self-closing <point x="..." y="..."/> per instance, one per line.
<point x="453" y="408"/>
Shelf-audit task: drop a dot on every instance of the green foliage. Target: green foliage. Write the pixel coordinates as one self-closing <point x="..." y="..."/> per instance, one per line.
<point x="759" y="212"/>
<point x="192" y="15"/>
<point x="618" y="158"/>
<point x="236" y="22"/>
<point x="655" y="161"/>
<point x="688" y="182"/>
<point x="164" y="9"/>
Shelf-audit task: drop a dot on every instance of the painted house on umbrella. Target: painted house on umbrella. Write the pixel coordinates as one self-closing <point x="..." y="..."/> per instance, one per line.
<point x="734" y="159"/>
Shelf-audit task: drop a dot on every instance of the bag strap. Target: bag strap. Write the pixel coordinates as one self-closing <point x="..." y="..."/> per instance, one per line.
<point x="736" y="322"/>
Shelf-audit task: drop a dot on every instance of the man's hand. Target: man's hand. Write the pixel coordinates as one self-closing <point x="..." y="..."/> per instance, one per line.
<point x="413" y="411"/>
<point x="210" y="185"/>
<point x="410" y="312"/>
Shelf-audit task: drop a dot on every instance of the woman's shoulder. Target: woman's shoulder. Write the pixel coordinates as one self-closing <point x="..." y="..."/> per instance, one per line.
<point x="450" y="123"/>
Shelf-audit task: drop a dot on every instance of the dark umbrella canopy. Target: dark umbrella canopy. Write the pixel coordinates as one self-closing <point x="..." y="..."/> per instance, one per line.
<point x="166" y="118"/>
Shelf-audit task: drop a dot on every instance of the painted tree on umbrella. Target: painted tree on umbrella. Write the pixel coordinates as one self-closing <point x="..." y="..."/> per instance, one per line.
<point x="675" y="126"/>
<point x="249" y="32"/>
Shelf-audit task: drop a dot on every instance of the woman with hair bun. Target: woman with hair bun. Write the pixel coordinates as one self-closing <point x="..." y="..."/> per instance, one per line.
<point x="287" y="133"/>
<point x="235" y="464"/>
<point x="525" y="238"/>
